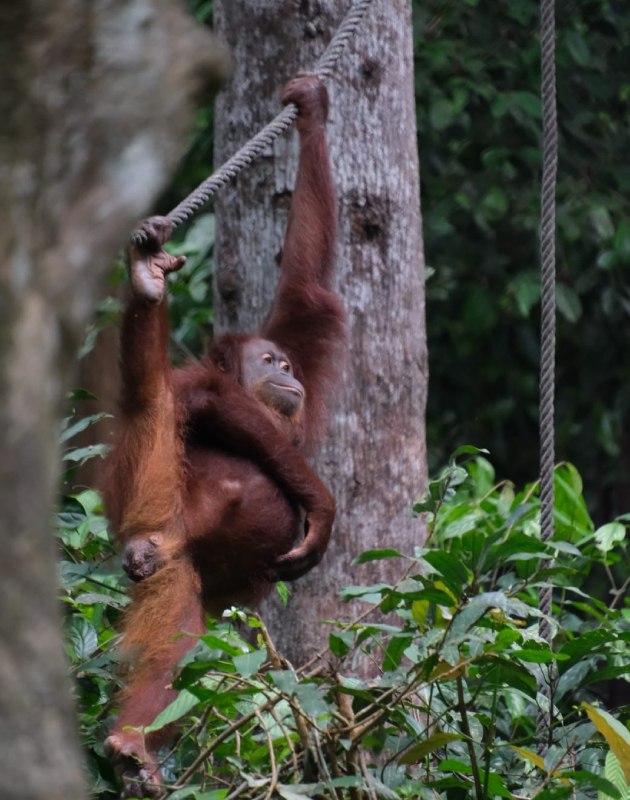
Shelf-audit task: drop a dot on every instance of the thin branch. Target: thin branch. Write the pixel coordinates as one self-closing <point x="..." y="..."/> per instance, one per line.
<point x="469" y="741"/>
<point x="287" y="736"/>
<point x="274" y="771"/>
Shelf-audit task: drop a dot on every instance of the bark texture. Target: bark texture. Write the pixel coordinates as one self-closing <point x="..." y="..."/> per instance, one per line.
<point x="374" y="458"/>
<point x="94" y="99"/>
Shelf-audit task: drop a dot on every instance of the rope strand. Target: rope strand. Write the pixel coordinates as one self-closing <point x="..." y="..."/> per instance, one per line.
<point x="253" y="149"/>
<point x="548" y="316"/>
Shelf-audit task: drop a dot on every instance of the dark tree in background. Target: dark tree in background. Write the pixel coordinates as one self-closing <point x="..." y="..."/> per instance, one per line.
<point x="94" y="101"/>
<point x="374" y="458"/>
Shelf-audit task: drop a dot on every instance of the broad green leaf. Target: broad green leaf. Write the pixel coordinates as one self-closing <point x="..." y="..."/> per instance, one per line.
<point x="613" y="772"/>
<point x="451" y="567"/>
<point x="85" y="453"/>
<point x="92" y="598"/>
<point x="249" y="663"/>
<point x="602" y="222"/>
<point x="535" y="656"/>
<point x="529" y="102"/>
<point x="609" y="535"/>
<point x="182" y="704"/>
<point x="578" y="48"/>
<point x="83" y="637"/>
<point x="467" y="449"/>
<point x="603" y="785"/>
<point x="376" y="555"/>
<point x="496" y="785"/>
<point x="568" y="302"/>
<point x="220" y="644"/>
<point x="340" y="643"/>
<point x="90" y="500"/>
<point x="311" y="699"/>
<point x="395" y="649"/>
<point x="419" y="751"/>
<point x="81" y="425"/>
<point x="526" y="290"/>
<point x="442" y="113"/>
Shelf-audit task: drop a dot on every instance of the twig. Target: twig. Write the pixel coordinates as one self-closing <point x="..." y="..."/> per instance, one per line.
<point x="620" y="593"/>
<point x="287" y="736"/>
<point x="466" y="730"/>
<point x="368" y="778"/>
<point x="551" y="773"/>
<point x="272" y="756"/>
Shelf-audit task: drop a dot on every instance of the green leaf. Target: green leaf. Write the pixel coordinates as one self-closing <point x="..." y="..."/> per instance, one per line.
<point x="526" y="290"/>
<point x="82" y="394"/>
<point x="92" y="598"/>
<point x="442" y="113"/>
<point x="283" y="591"/>
<point x="529" y="102"/>
<point x="394" y="653"/>
<point x="348" y="592"/>
<point x="220" y="644"/>
<point x="376" y="555"/>
<point x="83" y="637"/>
<point x="602" y="222"/>
<point x="568" y="303"/>
<point x="534" y="656"/>
<point x="613" y="772"/>
<point x="578" y="48"/>
<point x="311" y="699"/>
<point x="449" y="566"/>
<point x="249" y="663"/>
<point x="495" y="203"/>
<point x="181" y="705"/>
<point x="340" y="643"/>
<point x="419" y="751"/>
<point x="467" y="449"/>
<point x="609" y="535"/>
<point x="81" y="425"/>
<point x="605" y="788"/>
<point x="85" y="453"/>
<point x="496" y="786"/>
<point x="622" y="241"/>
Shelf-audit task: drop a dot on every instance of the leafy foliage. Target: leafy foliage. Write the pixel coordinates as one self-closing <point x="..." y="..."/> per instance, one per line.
<point x="457" y="663"/>
<point x="479" y="137"/>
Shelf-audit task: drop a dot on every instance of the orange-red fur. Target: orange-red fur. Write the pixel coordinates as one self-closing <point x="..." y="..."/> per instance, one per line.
<point x="220" y="477"/>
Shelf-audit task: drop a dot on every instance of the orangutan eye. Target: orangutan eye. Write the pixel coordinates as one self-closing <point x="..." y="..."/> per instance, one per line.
<point x="267" y="359"/>
<point x="284" y="366"/>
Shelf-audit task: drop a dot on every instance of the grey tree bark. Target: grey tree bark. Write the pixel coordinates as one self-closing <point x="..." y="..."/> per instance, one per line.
<point x="94" y="100"/>
<point x="374" y="458"/>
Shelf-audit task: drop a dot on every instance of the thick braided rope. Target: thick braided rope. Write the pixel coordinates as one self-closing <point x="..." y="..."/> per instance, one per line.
<point x="548" y="307"/>
<point x="253" y="149"/>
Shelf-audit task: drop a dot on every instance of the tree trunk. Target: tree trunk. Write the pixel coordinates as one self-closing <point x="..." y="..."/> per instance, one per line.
<point x="94" y="100"/>
<point x="374" y="458"/>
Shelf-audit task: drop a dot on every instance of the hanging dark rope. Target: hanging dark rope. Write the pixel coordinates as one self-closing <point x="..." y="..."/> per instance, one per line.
<point x="548" y="311"/>
<point x="249" y="152"/>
